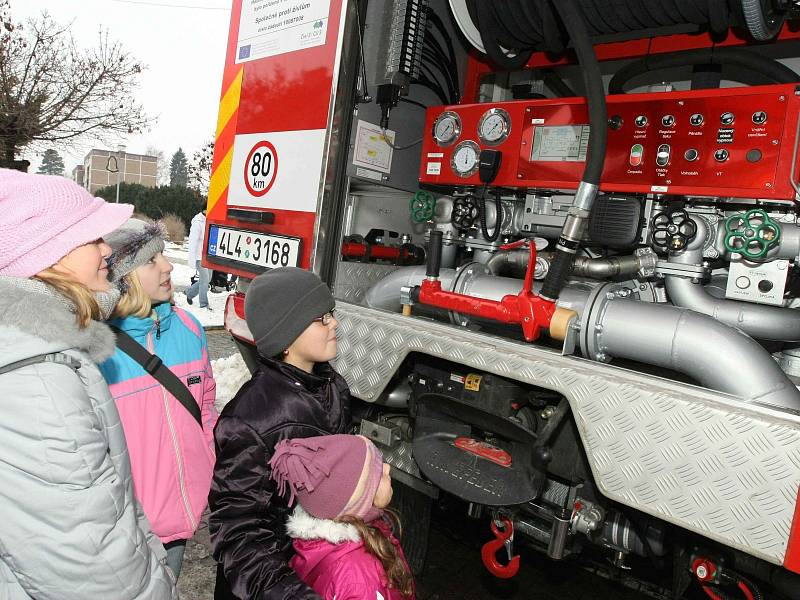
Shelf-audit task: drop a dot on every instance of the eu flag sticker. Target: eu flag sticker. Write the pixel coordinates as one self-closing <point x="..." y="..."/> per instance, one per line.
<point x="244" y="52"/>
<point x="213" y="234"/>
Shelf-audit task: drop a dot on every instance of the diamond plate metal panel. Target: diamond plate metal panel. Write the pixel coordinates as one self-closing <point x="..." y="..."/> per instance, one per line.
<point x="353" y="279"/>
<point x="704" y="461"/>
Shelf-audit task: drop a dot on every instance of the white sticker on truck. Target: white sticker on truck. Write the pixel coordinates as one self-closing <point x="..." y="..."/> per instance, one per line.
<point x="271" y="27"/>
<point x="280" y="170"/>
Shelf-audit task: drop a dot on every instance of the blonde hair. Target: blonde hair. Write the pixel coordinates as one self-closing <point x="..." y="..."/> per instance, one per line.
<point x="382" y="548"/>
<point x="85" y="305"/>
<point x="135" y="301"/>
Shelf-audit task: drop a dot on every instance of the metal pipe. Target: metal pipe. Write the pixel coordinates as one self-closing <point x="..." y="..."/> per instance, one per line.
<point x="757" y="320"/>
<point x="601" y="268"/>
<point x="385" y="294"/>
<point x="717" y="356"/>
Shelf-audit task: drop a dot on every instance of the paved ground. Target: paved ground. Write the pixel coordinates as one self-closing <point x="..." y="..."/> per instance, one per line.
<point x="454" y="568"/>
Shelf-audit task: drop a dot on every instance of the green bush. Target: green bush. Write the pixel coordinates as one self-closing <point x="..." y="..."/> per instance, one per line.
<point x="157" y="202"/>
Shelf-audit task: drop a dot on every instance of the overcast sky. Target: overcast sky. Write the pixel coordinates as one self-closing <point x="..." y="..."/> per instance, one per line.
<point x="182" y="43"/>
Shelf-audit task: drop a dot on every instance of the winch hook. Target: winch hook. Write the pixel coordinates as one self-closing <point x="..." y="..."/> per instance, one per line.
<point x="503" y="539"/>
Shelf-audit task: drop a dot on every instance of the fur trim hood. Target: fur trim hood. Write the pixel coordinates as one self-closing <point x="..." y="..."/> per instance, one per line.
<point x="302" y="526"/>
<point x="36" y="320"/>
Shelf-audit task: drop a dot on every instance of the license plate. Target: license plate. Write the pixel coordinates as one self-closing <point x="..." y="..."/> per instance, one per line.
<point x="252" y="248"/>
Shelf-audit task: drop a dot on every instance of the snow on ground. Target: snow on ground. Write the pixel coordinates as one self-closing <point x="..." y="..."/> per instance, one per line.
<point x="181" y="279"/>
<point x="230" y="374"/>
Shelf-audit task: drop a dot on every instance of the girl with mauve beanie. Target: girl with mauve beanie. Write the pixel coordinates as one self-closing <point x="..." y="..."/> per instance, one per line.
<point x="294" y="393"/>
<point x="343" y="539"/>
<point x="71" y="525"/>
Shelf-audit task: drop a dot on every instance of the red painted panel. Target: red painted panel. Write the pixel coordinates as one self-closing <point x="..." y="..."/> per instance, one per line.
<point x="291" y="91"/>
<point x="764" y="175"/>
<point x="792" y="559"/>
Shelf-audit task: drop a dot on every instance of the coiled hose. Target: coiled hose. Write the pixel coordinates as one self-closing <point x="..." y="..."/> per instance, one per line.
<point x="771" y="70"/>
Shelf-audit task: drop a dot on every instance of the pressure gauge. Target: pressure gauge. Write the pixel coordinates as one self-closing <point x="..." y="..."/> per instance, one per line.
<point x="465" y="158"/>
<point x="494" y="126"/>
<point x="446" y="128"/>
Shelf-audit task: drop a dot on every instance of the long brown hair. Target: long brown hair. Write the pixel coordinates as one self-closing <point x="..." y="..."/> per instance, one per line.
<point x="86" y="307"/>
<point x="382" y="548"/>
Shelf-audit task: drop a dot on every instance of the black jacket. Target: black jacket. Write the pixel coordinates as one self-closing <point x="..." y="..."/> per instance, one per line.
<point x="247" y="517"/>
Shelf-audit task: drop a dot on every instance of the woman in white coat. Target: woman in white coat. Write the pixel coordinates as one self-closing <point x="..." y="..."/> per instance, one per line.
<point x="71" y="527"/>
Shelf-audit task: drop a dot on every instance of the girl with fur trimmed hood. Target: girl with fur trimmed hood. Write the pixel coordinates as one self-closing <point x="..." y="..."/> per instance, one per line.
<point x="171" y="455"/>
<point x="72" y="528"/>
<point x="343" y="539"/>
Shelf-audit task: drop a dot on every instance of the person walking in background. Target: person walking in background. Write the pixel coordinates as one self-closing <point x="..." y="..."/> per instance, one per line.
<point x="71" y="525"/>
<point x="197" y="233"/>
<point x="172" y="455"/>
<point x="294" y="393"/>
<point x="344" y="539"/>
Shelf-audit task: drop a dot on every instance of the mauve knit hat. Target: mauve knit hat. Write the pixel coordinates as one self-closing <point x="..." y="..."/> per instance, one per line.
<point x="45" y="217"/>
<point x="132" y="245"/>
<point x="281" y="303"/>
<point x="325" y="474"/>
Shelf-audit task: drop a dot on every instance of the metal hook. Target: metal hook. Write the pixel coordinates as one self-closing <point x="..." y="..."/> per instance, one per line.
<point x="504" y="539"/>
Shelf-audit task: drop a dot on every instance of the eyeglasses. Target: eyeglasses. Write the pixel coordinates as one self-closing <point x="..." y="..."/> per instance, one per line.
<point x="325" y="319"/>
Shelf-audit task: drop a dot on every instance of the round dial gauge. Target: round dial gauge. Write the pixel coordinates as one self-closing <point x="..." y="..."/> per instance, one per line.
<point x="446" y="128"/>
<point x="494" y="126"/>
<point x="465" y="158"/>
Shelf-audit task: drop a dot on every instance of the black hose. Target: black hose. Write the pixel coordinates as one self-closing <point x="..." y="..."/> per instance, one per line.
<point x="767" y="67"/>
<point x="434" y="259"/>
<point x="493" y="37"/>
<point x="498" y="218"/>
<point x="593" y="81"/>
<point x="598" y="115"/>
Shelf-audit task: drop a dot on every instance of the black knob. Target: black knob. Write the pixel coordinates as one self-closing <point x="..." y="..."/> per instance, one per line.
<point x="753" y="155"/>
<point x="615" y="122"/>
<point x="721" y="155"/>
<point x="696" y="120"/>
<point x="668" y="120"/>
<point x="691" y="155"/>
<point x="727" y="118"/>
<point x="640" y="121"/>
<point x="765" y="285"/>
<point x="759" y="117"/>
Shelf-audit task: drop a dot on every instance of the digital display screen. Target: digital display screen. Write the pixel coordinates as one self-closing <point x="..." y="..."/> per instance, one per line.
<point x="560" y="143"/>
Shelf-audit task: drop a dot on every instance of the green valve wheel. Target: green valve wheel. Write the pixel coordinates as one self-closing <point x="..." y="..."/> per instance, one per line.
<point x="422" y="206"/>
<point x="751" y="234"/>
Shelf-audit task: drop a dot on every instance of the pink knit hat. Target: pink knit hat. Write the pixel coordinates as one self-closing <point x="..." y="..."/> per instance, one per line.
<point x="325" y="474"/>
<point x="44" y="217"/>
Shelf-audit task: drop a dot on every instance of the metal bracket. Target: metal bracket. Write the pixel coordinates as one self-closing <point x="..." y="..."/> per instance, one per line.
<point x="664" y="268"/>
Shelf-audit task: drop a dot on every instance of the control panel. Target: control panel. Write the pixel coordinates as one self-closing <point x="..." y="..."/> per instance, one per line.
<point x="733" y="142"/>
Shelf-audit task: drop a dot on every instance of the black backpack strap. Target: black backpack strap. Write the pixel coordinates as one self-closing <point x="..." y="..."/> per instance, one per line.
<point x="153" y="365"/>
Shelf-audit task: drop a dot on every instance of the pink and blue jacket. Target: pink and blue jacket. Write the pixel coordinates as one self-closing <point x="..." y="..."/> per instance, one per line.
<point x="171" y="456"/>
<point x="331" y="558"/>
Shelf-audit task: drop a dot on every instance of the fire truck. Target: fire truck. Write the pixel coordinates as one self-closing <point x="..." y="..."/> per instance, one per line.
<point x="564" y="241"/>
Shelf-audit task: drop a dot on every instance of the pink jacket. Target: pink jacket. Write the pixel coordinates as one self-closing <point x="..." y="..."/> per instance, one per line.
<point x="332" y="560"/>
<point x="171" y="456"/>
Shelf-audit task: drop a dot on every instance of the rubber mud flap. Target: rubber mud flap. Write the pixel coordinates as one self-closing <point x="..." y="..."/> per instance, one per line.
<point x="468" y="475"/>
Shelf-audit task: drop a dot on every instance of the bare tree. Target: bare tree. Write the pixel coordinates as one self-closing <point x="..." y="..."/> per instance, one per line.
<point x="162" y="169"/>
<point x="52" y="92"/>
<point x="200" y="167"/>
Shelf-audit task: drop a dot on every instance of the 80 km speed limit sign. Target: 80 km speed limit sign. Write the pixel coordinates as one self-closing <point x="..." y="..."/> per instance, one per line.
<point x="260" y="168"/>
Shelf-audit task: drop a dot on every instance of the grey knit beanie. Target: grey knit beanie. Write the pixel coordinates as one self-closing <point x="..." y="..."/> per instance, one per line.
<point x="132" y="245"/>
<point x="281" y="303"/>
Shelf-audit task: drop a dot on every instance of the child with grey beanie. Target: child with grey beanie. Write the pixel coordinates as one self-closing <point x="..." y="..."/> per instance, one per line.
<point x="294" y="393"/>
<point x="171" y="454"/>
